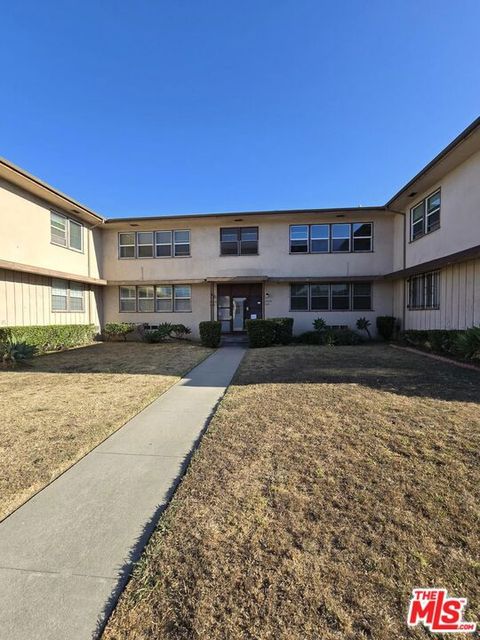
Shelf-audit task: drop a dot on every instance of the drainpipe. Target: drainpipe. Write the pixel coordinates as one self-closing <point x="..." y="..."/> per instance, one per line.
<point x="404" y="249"/>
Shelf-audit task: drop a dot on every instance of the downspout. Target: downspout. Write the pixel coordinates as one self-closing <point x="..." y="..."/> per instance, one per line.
<point x="404" y="250"/>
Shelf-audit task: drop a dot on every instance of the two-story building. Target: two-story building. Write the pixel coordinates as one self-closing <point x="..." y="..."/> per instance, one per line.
<point x="417" y="257"/>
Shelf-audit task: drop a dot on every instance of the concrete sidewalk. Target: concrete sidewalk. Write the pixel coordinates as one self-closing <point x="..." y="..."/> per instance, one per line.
<point x="66" y="554"/>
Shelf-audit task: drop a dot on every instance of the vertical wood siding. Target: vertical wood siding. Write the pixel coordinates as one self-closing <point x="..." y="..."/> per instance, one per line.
<point x="25" y="299"/>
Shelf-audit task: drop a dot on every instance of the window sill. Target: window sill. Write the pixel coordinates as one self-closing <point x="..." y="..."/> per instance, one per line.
<point x="64" y="246"/>
<point x="427" y="233"/>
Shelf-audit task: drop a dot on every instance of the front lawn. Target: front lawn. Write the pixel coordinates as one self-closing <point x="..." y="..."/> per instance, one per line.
<point x="330" y="483"/>
<point x="55" y="411"/>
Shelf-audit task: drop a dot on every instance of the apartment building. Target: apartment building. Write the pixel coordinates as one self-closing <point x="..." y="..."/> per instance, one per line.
<point x="416" y="257"/>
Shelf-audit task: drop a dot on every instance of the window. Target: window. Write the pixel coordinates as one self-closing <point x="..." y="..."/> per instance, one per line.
<point x="299" y="297"/>
<point x="163" y="244"/>
<point x="145" y="244"/>
<point x="362" y="236"/>
<point x="65" y="232"/>
<point x="126" y="245"/>
<point x="67" y="296"/>
<point x="154" y="244"/>
<point x="160" y="299"/>
<point x="331" y="296"/>
<point x="331" y="238"/>
<point x="242" y="241"/>
<point x="181" y="243"/>
<point x="183" y="298"/>
<point x="341" y="237"/>
<point x="340" y="300"/>
<point x="425" y="216"/>
<point x="128" y="297"/>
<point x="145" y="299"/>
<point x="58" y="229"/>
<point x="299" y="238"/>
<point x="319" y="238"/>
<point x="164" y="298"/>
<point x="423" y="291"/>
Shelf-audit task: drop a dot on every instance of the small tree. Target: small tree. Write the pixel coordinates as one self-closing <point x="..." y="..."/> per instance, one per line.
<point x="363" y="325"/>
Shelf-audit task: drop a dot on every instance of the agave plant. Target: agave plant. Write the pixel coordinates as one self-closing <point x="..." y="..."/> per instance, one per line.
<point x="364" y="325"/>
<point x="14" y="351"/>
<point x="468" y="343"/>
<point x="319" y="325"/>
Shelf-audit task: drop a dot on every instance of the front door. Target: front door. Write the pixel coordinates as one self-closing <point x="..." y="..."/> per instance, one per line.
<point x="237" y="303"/>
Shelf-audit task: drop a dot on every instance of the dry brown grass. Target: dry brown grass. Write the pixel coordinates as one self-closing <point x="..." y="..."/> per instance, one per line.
<point x="330" y="483"/>
<point x="55" y="411"/>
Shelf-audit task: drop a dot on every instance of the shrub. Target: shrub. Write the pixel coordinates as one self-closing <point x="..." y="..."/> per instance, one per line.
<point x="118" y="330"/>
<point x="364" y="325"/>
<point x="180" y="331"/>
<point x="341" y="337"/>
<point x="50" y="337"/>
<point x="447" y="341"/>
<point x="162" y="333"/>
<point x="283" y="330"/>
<point x="261" y="333"/>
<point x="310" y="337"/>
<point x="468" y="343"/>
<point x="210" y="333"/>
<point x="13" y="351"/>
<point x="386" y="326"/>
<point x="319" y="325"/>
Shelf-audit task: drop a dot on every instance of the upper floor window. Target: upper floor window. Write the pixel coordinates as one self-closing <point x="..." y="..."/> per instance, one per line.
<point x="331" y="238"/>
<point x="154" y="244"/>
<point x="333" y="296"/>
<point x="66" y="232"/>
<point x="67" y="296"/>
<point x="425" y="216"/>
<point x="241" y="241"/>
<point x="424" y="291"/>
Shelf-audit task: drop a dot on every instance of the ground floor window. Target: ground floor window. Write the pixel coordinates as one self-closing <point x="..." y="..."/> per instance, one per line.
<point x="67" y="296"/>
<point x="331" y="296"/>
<point x="424" y="291"/>
<point x="156" y="299"/>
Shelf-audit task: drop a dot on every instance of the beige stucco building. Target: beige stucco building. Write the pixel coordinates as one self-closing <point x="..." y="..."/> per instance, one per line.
<point x="417" y="258"/>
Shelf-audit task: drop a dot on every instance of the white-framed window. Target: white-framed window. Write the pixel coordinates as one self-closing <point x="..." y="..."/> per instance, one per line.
<point x="145" y="299"/>
<point x="425" y="216"/>
<point x="164" y="298"/>
<point x="163" y="244"/>
<point x="154" y="244"/>
<point x="126" y="245"/>
<point x="128" y="299"/>
<point x="144" y="244"/>
<point x="67" y="296"/>
<point x="65" y="232"/>
<point x="341" y="237"/>
<point x="238" y="241"/>
<point x="182" y="297"/>
<point x="424" y="291"/>
<point x="331" y="296"/>
<point x="181" y="242"/>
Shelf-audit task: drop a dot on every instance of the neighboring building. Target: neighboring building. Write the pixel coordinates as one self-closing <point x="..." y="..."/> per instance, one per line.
<point x="417" y="257"/>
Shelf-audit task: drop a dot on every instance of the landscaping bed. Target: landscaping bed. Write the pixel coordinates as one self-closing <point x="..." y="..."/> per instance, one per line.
<point x="56" y="409"/>
<point x="331" y="482"/>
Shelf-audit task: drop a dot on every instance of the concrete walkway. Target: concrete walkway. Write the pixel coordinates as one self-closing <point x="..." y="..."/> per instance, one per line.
<point x="66" y="554"/>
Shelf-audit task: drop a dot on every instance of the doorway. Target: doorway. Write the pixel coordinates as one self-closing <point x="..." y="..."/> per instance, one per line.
<point x="237" y="303"/>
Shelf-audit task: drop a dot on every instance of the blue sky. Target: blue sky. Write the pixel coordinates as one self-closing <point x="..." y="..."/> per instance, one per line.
<point x="155" y="107"/>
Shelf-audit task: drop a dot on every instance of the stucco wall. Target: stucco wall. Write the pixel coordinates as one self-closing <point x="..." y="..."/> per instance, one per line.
<point x="25" y="299"/>
<point x="459" y="217"/>
<point x="278" y="305"/>
<point x="25" y="237"/>
<point x="273" y="259"/>
<point x="459" y="300"/>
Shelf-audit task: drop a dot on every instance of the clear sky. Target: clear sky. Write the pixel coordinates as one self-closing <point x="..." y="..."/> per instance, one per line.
<point x="137" y="107"/>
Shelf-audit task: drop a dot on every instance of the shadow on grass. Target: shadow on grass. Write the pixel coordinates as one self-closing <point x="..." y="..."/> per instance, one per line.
<point x="378" y="367"/>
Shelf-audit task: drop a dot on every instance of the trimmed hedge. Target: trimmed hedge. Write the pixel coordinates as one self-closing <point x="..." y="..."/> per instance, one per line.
<point x="283" y="330"/>
<point x="118" y="330"/>
<point x="386" y="326"/>
<point x="51" y="337"/>
<point x="331" y="337"/>
<point x="261" y="333"/>
<point x="210" y="333"/>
